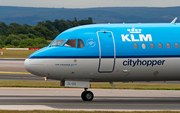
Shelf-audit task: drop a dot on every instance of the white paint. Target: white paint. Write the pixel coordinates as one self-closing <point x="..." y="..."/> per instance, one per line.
<point x="133" y="39"/>
<point x="26" y="107"/>
<point x="146" y="38"/>
<point x="133" y="30"/>
<point x="141" y="37"/>
<point x="17" y="48"/>
<point x="83" y="84"/>
<point x="125" y="37"/>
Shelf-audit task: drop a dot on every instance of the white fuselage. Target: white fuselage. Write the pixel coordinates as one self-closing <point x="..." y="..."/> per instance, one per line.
<point x="87" y="69"/>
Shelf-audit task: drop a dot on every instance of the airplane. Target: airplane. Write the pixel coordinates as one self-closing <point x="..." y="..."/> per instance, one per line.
<point x="110" y="53"/>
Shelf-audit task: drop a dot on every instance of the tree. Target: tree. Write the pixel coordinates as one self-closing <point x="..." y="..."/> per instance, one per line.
<point x="30" y="35"/>
<point x="41" y="31"/>
<point x="49" y="25"/>
<point x="23" y="36"/>
<point x="1" y="43"/>
<point x="14" y="25"/>
<point x="15" y="42"/>
<point x="27" y="43"/>
<point x="61" y="25"/>
<point x="90" y="20"/>
<point x="3" y="28"/>
<point x="75" y="22"/>
<point x="10" y="38"/>
<point x="3" y="37"/>
<point x="85" y="22"/>
<point x="37" y="42"/>
<point x="75" y="19"/>
<point x="15" y="28"/>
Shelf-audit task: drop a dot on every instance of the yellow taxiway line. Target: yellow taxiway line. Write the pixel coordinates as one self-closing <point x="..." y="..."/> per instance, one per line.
<point x="14" y="72"/>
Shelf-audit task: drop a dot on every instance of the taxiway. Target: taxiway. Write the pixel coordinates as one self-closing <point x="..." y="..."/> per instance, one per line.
<point x="105" y="99"/>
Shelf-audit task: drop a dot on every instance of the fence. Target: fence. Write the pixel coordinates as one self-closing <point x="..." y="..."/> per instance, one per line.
<point x="20" y="48"/>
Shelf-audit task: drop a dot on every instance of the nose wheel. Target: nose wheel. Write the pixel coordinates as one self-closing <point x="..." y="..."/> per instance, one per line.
<point x="87" y="95"/>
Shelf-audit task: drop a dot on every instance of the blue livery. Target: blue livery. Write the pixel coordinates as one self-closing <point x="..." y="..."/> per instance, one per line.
<point x="122" y="44"/>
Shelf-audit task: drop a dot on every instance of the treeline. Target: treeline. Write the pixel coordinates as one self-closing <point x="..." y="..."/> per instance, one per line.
<point x="16" y="35"/>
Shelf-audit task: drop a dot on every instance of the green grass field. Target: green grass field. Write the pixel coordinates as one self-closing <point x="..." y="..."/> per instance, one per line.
<point x="37" y="111"/>
<point x="16" y="53"/>
<point x="56" y="84"/>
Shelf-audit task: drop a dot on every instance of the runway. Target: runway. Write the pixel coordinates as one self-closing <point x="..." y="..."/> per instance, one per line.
<point x="13" y="69"/>
<point x="69" y="99"/>
<point x="105" y="99"/>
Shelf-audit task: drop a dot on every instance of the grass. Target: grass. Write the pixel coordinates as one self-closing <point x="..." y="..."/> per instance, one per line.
<point x="56" y="84"/>
<point x="35" y="84"/>
<point x="49" y="41"/>
<point x="46" y="111"/>
<point x="140" y="86"/>
<point x="16" y="53"/>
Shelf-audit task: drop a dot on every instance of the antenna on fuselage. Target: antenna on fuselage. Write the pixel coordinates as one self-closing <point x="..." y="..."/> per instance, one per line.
<point x="174" y="21"/>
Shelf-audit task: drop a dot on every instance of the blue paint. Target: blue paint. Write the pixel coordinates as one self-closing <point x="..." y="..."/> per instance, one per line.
<point x="160" y="33"/>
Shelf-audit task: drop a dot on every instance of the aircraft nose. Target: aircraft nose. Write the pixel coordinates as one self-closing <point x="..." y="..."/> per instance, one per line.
<point x="35" y="66"/>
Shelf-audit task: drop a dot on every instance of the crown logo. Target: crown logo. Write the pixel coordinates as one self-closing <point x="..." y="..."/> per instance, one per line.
<point x="133" y="30"/>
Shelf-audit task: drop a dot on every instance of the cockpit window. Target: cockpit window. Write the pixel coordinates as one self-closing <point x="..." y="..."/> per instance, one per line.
<point x="80" y="43"/>
<point x="71" y="43"/>
<point x="58" y="42"/>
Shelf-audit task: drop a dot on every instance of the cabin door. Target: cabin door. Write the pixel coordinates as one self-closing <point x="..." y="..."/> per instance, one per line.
<point x="107" y="52"/>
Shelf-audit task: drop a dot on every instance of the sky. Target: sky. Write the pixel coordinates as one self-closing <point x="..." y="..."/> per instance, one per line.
<point x="90" y="3"/>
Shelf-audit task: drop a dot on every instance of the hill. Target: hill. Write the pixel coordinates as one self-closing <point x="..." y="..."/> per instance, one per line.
<point x="32" y="16"/>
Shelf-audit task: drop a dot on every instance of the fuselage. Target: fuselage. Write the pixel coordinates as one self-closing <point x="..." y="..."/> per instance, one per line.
<point x="111" y="53"/>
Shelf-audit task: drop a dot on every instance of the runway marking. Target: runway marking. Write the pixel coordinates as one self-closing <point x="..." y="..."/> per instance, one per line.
<point x="15" y="72"/>
<point x="90" y="104"/>
<point x="22" y="77"/>
<point x="26" y="107"/>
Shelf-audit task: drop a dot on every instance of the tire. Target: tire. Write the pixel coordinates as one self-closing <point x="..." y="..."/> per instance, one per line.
<point x="83" y="95"/>
<point x="87" y="96"/>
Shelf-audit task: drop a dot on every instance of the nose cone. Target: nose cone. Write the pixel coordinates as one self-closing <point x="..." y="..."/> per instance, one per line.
<point x="35" y="66"/>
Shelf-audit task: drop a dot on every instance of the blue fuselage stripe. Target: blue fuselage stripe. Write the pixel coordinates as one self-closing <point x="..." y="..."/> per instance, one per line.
<point x="151" y="56"/>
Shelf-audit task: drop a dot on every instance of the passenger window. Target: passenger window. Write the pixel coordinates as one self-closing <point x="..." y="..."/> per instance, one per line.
<point x="135" y="46"/>
<point x="152" y="46"/>
<point x="176" y="45"/>
<point x="168" y="45"/>
<point x="160" y="45"/>
<point x="143" y="45"/>
<point x="80" y="43"/>
<point x="70" y="43"/>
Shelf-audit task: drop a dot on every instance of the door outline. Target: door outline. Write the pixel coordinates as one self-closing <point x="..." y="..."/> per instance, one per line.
<point x="100" y="52"/>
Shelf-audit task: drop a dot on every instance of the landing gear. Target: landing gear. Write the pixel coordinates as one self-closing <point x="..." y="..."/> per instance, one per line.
<point x="87" y="95"/>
